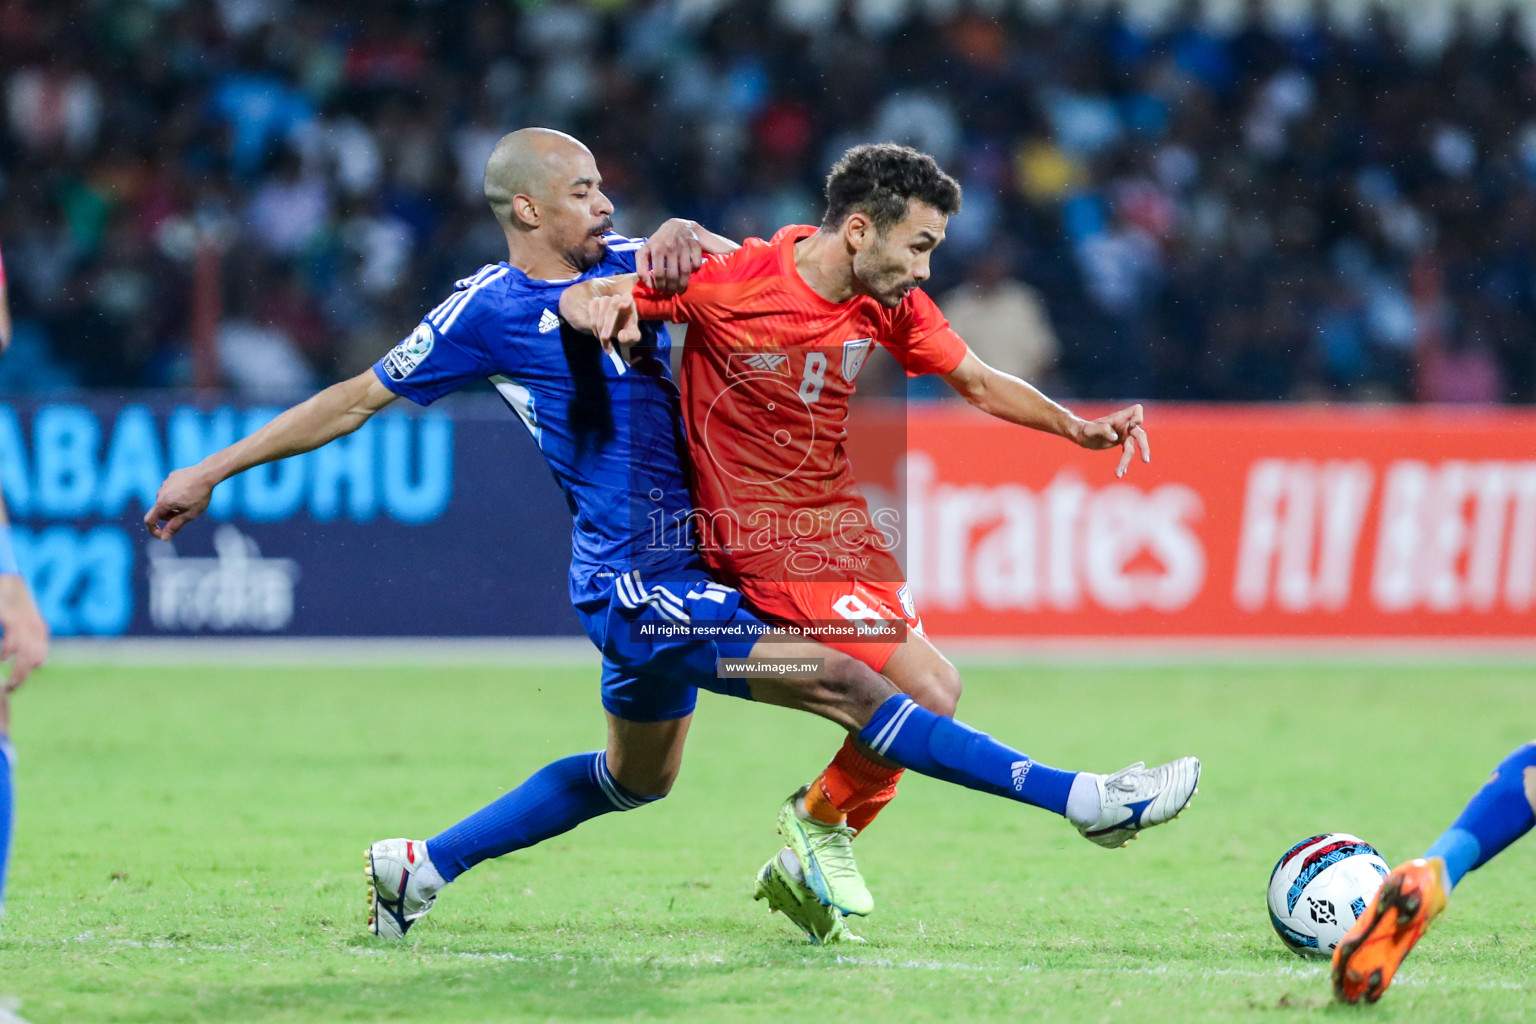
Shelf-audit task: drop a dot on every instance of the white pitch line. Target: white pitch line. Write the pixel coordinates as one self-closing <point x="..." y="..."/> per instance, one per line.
<point x="1279" y="972"/>
<point x="7" y="1005"/>
<point x="1291" y="972"/>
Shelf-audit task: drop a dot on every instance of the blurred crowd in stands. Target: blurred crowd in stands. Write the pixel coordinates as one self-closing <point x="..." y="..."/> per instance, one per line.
<point x="1170" y="213"/>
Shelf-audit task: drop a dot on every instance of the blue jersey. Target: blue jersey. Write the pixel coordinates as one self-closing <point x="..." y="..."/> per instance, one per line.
<point x="609" y="427"/>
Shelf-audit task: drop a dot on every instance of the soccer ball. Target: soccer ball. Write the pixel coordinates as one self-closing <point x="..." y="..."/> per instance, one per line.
<point x="1319" y="888"/>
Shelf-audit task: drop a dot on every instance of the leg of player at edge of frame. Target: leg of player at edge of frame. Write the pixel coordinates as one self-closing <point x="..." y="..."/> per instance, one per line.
<point x="406" y="875"/>
<point x="7" y="759"/>
<point x="1413" y="894"/>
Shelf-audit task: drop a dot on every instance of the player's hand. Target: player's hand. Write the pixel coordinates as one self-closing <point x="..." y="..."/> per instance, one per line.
<point x="670" y="256"/>
<point x="615" y="318"/>
<point x="1123" y="428"/>
<point x="183" y="497"/>
<point x="26" y="634"/>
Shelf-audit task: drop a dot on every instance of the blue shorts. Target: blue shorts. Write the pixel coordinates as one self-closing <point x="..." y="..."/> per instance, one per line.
<point x="649" y="676"/>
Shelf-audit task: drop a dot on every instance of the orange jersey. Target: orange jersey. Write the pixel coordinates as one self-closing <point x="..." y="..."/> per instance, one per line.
<point x="767" y="373"/>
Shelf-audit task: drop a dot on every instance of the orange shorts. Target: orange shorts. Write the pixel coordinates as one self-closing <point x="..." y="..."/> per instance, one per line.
<point x="833" y="611"/>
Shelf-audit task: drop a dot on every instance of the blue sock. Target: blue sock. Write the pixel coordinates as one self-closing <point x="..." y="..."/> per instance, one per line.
<point x="555" y="799"/>
<point x="1500" y="813"/>
<point x="933" y="745"/>
<point x="7" y="758"/>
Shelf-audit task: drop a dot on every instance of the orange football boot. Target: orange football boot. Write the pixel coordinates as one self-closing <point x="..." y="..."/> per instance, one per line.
<point x="1368" y="957"/>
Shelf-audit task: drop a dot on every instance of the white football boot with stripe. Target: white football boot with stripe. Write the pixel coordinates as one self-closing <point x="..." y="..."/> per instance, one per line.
<point x="397" y="895"/>
<point x="1139" y="797"/>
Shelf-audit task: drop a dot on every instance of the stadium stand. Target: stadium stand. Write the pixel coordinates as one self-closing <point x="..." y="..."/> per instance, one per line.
<point x="1198" y="211"/>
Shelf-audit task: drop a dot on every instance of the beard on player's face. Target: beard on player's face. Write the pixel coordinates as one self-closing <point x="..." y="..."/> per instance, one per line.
<point x="588" y="251"/>
<point x="886" y="279"/>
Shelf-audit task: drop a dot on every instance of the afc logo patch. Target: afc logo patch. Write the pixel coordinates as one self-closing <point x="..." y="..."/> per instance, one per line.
<point x="908" y="606"/>
<point x="408" y="355"/>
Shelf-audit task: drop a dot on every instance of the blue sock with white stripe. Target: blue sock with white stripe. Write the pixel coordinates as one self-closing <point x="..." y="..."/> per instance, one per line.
<point x="1501" y="812"/>
<point x="931" y="744"/>
<point x="555" y="799"/>
<point x="7" y="758"/>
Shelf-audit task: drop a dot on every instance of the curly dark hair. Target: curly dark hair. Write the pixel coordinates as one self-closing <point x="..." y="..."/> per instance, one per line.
<point x="879" y="179"/>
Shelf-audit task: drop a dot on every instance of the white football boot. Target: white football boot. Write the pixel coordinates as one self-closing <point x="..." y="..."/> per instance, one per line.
<point x="1139" y="797"/>
<point x="397" y="896"/>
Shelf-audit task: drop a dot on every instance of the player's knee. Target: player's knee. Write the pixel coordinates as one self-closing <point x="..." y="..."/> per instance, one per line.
<point x="937" y="689"/>
<point x="644" y="777"/>
<point x="649" y="785"/>
<point x="659" y="786"/>
<point x="852" y="688"/>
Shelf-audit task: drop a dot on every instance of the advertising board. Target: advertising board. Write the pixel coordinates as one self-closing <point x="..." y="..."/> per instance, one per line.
<point x="436" y="523"/>
<point x="1250" y="522"/>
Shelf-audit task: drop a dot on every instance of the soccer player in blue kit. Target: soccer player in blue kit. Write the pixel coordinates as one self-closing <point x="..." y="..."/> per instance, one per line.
<point x="23" y="635"/>
<point x="25" y="645"/>
<point x="1416" y="892"/>
<point x="607" y="421"/>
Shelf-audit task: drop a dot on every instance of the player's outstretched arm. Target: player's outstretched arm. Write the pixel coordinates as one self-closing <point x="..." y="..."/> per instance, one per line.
<point x="604" y="306"/>
<point x="1009" y="398"/>
<point x="334" y="412"/>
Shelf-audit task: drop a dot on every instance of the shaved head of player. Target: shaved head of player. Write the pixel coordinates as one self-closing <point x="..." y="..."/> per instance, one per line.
<point x="544" y="188"/>
<point x="887" y="208"/>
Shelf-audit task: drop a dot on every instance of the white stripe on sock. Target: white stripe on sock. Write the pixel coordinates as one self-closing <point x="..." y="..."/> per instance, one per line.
<point x="885" y="729"/>
<point x="896" y="724"/>
<point x="611" y="787"/>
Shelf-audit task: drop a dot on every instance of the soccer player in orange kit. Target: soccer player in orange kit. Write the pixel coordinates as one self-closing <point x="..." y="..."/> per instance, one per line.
<point x="778" y="332"/>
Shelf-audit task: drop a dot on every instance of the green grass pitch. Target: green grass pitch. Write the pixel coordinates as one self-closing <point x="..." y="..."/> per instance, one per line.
<point x="190" y="848"/>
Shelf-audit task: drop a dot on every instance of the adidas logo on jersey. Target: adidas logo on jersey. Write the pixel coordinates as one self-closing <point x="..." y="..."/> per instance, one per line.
<point x="742" y="363"/>
<point x="1020" y="773"/>
<point x="548" y="322"/>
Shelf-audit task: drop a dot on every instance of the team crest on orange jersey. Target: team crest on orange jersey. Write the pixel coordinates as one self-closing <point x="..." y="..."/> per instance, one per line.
<point x="743" y="364"/>
<point x="854" y="354"/>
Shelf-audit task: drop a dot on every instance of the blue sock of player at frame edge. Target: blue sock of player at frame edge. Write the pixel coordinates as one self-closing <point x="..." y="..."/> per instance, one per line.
<point x="945" y="749"/>
<point x="554" y="799"/>
<point x="7" y="758"/>
<point x="1501" y="812"/>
